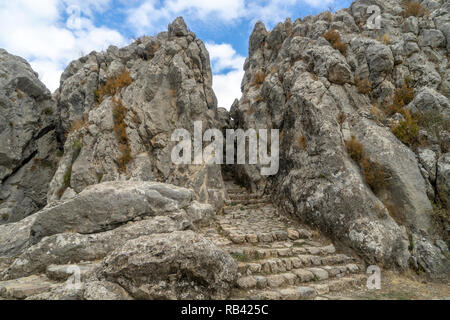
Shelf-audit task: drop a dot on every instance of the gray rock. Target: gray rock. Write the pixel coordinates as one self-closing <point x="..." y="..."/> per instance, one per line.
<point x="15" y="237"/>
<point x="308" y="89"/>
<point x="180" y="265"/>
<point x="105" y="206"/>
<point x="428" y="160"/>
<point x="432" y="38"/>
<point x="27" y="139"/>
<point x="68" y="248"/>
<point x="104" y="290"/>
<point x="443" y="178"/>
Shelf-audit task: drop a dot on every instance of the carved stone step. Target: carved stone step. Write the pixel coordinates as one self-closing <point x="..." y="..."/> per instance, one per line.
<point x="304" y="291"/>
<point x="25" y="287"/>
<point x="279" y="265"/>
<point x="63" y="272"/>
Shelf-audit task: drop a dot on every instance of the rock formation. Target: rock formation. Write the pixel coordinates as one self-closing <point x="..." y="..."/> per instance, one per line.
<point x="363" y="121"/>
<point x="27" y="139"/>
<point x="89" y="189"/>
<point x="119" y="108"/>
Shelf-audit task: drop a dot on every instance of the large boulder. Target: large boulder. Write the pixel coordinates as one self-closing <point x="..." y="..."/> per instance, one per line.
<point x="180" y="265"/>
<point x="72" y="247"/>
<point x="105" y="206"/>
<point x="15" y="237"/>
<point x="28" y="145"/>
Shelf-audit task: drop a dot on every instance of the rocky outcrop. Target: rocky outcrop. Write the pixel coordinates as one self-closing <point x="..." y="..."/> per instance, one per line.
<point x="27" y="139"/>
<point x="181" y="265"/>
<point x="104" y="206"/>
<point x="114" y="219"/>
<point x="119" y="108"/>
<point x="327" y="83"/>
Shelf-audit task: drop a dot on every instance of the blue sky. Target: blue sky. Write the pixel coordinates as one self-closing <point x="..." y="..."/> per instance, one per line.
<point x="51" y="33"/>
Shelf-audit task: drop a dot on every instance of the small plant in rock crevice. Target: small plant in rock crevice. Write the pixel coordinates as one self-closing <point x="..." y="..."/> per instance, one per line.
<point x="333" y="37"/>
<point x="113" y="85"/>
<point x="76" y="150"/>
<point x="374" y="174"/>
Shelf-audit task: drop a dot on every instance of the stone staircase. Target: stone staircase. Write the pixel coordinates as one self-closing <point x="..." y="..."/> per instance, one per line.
<point x="277" y="257"/>
<point x="55" y="276"/>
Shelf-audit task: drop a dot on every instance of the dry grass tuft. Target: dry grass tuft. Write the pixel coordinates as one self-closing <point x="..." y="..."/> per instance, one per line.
<point x="402" y="97"/>
<point x="301" y="141"/>
<point x="373" y="173"/>
<point x="364" y="86"/>
<point x="333" y="37"/>
<point x="258" y="78"/>
<point x="113" y="85"/>
<point x="341" y="118"/>
<point x="412" y="8"/>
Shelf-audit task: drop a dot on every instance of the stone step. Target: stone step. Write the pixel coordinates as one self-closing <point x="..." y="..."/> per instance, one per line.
<point x="236" y="191"/>
<point x="63" y="272"/>
<point x="279" y="249"/>
<point x="296" y="276"/>
<point x="244" y="196"/>
<point x="246" y="207"/>
<point x="25" y="287"/>
<point x="278" y="265"/>
<point x="304" y="291"/>
<point x="268" y="237"/>
<point x="246" y="202"/>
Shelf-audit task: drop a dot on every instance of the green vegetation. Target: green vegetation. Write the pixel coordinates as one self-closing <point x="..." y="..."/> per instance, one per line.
<point x="120" y="128"/>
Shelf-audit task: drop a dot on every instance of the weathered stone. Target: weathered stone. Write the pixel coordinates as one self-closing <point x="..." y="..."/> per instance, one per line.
<point x="303" y="275"/>
<point x="27" y="139"/>
<point x="104" y="206"/>
<point x="104" y="290"/>
<point x="319" y="273"/>
<point x="179" y="265"/>
<point x="246" y="282"/>
<point x="306" y="292"/>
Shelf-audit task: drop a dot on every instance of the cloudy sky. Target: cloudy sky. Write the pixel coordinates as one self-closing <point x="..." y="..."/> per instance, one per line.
<point x="51" y="33"/>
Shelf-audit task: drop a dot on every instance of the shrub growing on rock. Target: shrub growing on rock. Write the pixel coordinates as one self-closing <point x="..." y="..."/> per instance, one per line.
<point x="113" y="85"/>
<point x="333" y="37"/>
<point x="364" y="86"/>
<point x="373" y="173"/>
<point x="412" y="8"/>
<point x="120" y="128"/>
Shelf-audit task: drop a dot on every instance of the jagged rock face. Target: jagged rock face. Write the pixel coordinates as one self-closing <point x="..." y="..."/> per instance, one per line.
<point x="170" y="87"/>
<point x="298" y="82"/>
<point x="27" y="139"/>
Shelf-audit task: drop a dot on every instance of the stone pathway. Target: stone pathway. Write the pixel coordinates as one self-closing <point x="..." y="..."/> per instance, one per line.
<point x="277" y="257"/>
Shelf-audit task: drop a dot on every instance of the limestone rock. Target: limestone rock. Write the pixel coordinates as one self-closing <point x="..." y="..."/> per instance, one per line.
<point x="180" y="265"/>
<point x="104" y="206"/>
<point x="27" y="139"/>
<point x="167" y="85"/>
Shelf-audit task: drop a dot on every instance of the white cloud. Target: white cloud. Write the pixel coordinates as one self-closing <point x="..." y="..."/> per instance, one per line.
<point x="228" y="87"/>
<point x="223" y="56"/>
<point x="227" y="72"/>
<point x="153" y="15"/>
<point x="34" y="31"/>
